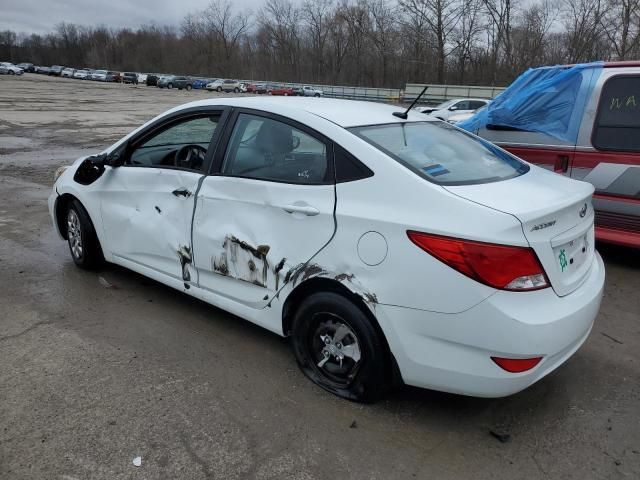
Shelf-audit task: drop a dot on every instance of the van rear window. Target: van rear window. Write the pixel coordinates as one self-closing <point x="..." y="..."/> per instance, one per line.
<point x="617" y="125"/>
<point x="442" y="153"/>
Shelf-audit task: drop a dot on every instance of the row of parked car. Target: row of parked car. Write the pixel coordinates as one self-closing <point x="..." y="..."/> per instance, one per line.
<point x="165" y="81"/>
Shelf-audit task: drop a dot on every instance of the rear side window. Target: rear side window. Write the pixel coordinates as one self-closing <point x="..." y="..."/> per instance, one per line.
<point x="617" y="125"/>
<point x="348" y="168"/>
<point x="442" y="153"/>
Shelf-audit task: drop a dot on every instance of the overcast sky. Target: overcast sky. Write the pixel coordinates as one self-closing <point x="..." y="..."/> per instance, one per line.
<point x="40" y="16"/>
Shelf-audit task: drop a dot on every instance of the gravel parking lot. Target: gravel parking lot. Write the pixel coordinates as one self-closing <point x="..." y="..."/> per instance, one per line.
<point x="99" y="368"/>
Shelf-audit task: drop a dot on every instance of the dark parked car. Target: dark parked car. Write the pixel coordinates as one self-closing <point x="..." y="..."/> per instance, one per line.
<point x="152" y="80"/>
<point x="130" y="77"/>
<point x="56" y="70"/>
<point x="113" y="76"/>
<point x="183" y="82"/>
<point x="27" y="67"/>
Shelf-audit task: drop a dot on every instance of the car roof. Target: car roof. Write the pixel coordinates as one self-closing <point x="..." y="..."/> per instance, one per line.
<point x="345" y="113"/>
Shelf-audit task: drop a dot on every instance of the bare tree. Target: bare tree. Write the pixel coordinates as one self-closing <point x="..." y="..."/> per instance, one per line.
<point x="442" y="17"/>
<point x="621" y="24"/>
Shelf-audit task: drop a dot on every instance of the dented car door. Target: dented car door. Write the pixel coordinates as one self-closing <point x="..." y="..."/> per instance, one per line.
<point x="147" y="203"/>
<point x="269" y="208"/>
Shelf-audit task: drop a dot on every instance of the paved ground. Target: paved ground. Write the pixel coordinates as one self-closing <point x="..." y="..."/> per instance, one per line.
<point x="91" y="377"/>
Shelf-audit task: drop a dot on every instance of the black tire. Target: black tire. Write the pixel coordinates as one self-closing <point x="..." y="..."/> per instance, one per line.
<point x="219" y="89"/>
<point x="188" y="87"/>
<point x="11" y="72"/>
<point x="236" y="90"/>
<point x="317" y="95"/>
<point x="362" y="380"/>
<point x="89" y="256"/>
<point x="170" y="85"/>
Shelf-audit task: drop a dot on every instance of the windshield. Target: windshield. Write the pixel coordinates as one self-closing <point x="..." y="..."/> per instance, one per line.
<point x="442" y="153"/>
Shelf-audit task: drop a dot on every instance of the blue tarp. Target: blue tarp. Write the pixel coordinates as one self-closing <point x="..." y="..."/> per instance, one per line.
<point x="548" y="100"/>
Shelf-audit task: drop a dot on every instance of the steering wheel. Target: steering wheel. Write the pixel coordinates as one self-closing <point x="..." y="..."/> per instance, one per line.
<point x="190" y="156"/>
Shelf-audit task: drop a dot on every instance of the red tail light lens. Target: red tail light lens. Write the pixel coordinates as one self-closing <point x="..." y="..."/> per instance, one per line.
<point x="516" y="365"/>
<point x="499" y="266"/>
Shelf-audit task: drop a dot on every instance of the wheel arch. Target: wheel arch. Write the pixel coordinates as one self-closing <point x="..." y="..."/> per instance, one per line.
<point x="61" y="205"/>
<point x="363" y="301"/>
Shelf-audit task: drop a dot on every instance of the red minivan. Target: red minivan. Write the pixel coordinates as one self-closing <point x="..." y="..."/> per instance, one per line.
<point x="606" y="150"/>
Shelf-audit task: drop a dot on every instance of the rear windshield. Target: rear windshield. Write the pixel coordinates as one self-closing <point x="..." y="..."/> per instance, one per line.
<point x="442" y="153"/>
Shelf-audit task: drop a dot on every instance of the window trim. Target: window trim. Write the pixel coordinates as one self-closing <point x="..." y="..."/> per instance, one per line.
<point x="224" y="144"/>
<point x="167" y="122"/>
<point x="596" y="120"/>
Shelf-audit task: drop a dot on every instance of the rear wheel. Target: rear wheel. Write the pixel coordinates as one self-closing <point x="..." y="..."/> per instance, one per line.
<point x="338" y="348"/>
<point x="236" y="90"/>
<point x="170" y="85"/>
<point x="188" y="88"/>
<point x="82" y="239"/>
<point x="219" y="89"/>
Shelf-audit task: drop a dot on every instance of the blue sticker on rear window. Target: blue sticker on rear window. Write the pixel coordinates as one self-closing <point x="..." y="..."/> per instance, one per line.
<point x="435" y="170"/>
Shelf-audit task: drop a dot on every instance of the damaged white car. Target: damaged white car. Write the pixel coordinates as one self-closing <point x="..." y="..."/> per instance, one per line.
<point x="390" y="247"/>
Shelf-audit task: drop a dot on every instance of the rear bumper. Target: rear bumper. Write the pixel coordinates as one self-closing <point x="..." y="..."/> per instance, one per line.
<point x="452" y="352"/>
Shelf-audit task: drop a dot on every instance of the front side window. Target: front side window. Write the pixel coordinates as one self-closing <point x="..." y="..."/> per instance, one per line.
<point x="475" y="104"/>
<point x="442" y="153"/>
<point x="267" y="149"/>
<point x="183" y="144"/>
<point x="617" y="125"/>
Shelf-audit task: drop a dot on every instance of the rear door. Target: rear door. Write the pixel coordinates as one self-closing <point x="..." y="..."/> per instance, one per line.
<point x="269" y="208"/>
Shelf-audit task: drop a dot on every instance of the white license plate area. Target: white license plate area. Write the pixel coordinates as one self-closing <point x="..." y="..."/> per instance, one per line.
<point x="570" y="256"/>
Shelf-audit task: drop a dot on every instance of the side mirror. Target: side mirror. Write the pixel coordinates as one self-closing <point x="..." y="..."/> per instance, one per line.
<point x="115" y="159"/>
<point x="90" y="170"/>
<point x="453" y="108"/>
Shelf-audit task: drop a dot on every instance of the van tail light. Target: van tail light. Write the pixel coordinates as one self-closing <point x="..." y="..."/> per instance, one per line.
<point x="516" y="365"/>
<point x="504" y="267"/>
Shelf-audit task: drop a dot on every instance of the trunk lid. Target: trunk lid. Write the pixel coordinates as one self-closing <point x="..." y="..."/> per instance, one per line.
<point x="556" y="216"/>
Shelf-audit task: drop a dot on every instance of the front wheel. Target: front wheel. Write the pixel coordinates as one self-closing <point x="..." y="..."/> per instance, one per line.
<point x="170" y="85"/>
<point x="236" y="90"/>
<point x="188" y="88"/>
<point x="338" y="348"/>
<point x="82" y="239"/>
<point x="219" y="89"/>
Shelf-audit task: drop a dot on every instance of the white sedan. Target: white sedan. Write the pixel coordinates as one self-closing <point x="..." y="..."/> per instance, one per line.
<point x="10" y="69"/>
<point x="388" y="249"/>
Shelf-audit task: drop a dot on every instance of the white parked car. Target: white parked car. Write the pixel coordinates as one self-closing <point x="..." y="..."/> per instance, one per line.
<point x="68" y="72"/>
<point x="455" y="107"/>
<point x="386" y="248"/>
<point x="142" y="78"/>
<point x="10" y="69"/>
<point x="307" y="91"/>
<point x="98" y="75"/>
<point x="461" y="117"/>
<point x="82" y="74"/>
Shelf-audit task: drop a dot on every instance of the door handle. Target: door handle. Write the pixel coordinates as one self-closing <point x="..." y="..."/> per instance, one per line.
<point x="562" y="164"/>
<point x="304" y="209"/>
<point x="181" y="192"/>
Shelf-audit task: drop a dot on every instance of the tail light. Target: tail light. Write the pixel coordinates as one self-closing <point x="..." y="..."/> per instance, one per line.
<point x="504" y="267"/>
<point x="516" y="365"/>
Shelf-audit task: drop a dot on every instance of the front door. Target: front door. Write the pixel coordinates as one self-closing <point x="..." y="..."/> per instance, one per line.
<point x="147" y="204"/>
<point x="269" y="210"/>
